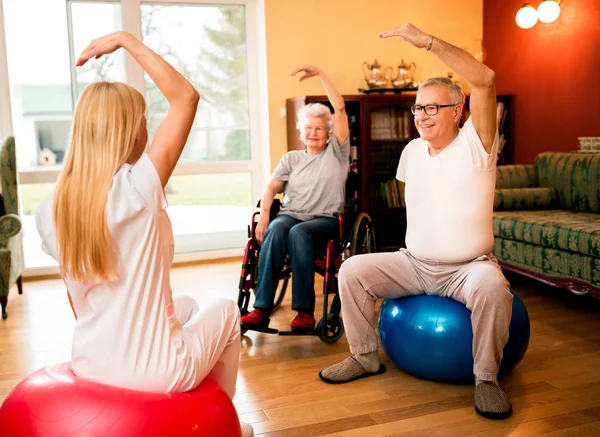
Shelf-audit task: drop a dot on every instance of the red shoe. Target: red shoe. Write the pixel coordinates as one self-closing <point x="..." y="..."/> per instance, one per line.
<point x="256" y="317"/>
<point x="303" y="322"/>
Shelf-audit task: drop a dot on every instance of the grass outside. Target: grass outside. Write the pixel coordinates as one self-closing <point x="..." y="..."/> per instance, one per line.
<point x="233" y="189"/>
<point x="31" y="196"/>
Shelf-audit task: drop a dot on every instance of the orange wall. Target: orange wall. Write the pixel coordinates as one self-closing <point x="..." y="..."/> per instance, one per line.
<point x="339" y="35"/>
<point x="553" y="70"/>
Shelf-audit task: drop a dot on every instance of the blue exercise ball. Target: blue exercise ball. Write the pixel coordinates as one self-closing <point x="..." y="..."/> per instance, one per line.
<point x="431" y="337"/>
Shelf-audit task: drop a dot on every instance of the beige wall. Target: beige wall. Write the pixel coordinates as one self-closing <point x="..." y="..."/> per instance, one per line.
<point x="339" y="35"/>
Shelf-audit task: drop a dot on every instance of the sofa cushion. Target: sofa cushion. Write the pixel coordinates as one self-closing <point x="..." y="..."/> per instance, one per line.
<point x="558" y="229"/>
<point x="575" y="177"/>
<point x="524" y="198"/>
<point x="548" y="261"/>
<point x="516" y="176"/>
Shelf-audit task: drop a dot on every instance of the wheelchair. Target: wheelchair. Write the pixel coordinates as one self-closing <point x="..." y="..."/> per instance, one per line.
<point x="356" y="236"/>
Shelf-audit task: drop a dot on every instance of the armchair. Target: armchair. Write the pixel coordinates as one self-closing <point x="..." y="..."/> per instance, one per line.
<point x="11" y="238"/>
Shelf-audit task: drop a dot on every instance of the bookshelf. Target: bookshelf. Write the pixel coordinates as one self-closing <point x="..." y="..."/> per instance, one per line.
<point x="380" y="127"/>
<point x="389" y="127"/>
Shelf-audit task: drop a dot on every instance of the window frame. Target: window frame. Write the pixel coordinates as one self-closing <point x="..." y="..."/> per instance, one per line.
<point x="258" y="164"/>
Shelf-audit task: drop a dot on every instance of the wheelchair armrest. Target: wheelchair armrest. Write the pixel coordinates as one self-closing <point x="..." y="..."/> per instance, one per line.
<point x="275" y="208"/>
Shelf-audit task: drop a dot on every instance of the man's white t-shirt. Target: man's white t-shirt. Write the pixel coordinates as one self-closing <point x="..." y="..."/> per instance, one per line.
<point x="126" y="334"/>
<point x="449" y="197"/>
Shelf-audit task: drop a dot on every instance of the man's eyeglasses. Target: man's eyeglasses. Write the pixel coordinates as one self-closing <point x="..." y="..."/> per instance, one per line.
<point x="429" y="109"/>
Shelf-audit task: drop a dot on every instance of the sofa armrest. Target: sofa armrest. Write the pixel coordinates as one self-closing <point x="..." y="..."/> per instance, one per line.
<point x="516" y="176"/>
<point x="10" y="224"/>
<point x="510" y="199"/>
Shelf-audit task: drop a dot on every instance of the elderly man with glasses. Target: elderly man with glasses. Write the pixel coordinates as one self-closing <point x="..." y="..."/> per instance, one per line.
<point x="450" y="174"/>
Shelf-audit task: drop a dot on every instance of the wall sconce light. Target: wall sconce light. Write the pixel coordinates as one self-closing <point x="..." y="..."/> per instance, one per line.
<point x="547" y="12"/>
<point x="526" y="16"/>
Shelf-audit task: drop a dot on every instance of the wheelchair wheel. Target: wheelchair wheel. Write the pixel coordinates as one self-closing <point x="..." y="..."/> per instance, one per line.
<point x="334" y="328"/>
<point x="363" y="236"/>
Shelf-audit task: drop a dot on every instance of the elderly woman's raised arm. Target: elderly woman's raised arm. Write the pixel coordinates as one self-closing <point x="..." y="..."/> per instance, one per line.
<point x="340" y="119"/>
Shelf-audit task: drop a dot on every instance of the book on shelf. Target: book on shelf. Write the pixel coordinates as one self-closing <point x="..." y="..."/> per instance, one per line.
<point x="391" y="124"/>
<point x="391" y="194"/>
<point x="385" y="156"/>
<point x="501" y="114"/>
<point x="501" y="143"/>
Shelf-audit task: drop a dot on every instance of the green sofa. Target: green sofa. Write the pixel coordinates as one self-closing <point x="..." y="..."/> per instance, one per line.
<point x="547" y="220"/>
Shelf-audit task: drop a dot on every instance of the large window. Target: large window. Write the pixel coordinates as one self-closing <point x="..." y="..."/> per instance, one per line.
<point x="215" y="45"/>
<point x="39" y="77"/>
<point x="208" y="44"/>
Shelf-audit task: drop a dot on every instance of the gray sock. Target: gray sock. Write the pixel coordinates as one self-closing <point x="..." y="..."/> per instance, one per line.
<point x="369" y="361"/>
<point x="479" y="381"/>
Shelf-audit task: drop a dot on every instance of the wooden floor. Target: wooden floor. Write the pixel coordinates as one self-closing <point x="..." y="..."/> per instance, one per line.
<point x="555" y="390"/>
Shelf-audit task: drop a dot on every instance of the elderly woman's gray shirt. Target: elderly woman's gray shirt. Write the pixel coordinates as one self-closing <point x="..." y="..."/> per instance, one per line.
<point x="315" y="184"/>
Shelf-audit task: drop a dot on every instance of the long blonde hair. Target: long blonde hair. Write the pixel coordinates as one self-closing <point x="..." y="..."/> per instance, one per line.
<point x="106" y="123"/>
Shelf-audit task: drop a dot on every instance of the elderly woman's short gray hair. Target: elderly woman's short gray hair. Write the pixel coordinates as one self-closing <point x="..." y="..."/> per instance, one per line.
<point x="314" y="110"/>
<point x="456" y="92"/>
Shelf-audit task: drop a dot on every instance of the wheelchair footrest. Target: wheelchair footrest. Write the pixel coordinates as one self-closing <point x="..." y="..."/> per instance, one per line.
<point x="307" y="332"/>
<point x="265" y="329"/>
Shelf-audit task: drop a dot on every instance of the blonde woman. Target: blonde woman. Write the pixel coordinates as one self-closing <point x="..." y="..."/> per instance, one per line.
<point x="106" y="225"/>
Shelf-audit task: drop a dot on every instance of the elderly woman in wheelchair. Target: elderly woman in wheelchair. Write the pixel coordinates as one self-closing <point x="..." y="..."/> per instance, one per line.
<point x="313" y="183"/>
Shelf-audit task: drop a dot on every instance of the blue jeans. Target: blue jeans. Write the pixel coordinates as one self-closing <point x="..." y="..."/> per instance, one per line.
<point x="286" y="234"/>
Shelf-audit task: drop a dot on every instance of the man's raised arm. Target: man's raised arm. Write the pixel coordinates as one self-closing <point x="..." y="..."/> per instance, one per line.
<point x="480" y="77"/>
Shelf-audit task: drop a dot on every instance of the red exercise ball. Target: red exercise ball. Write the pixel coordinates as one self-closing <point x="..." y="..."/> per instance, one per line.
<point x="53" y="402"/>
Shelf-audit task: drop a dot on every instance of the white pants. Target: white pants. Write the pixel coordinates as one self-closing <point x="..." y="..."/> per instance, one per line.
<point x="213" y="332"/>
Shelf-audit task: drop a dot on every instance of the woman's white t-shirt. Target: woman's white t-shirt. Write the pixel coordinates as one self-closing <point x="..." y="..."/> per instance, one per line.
<point x="126" y="334"/>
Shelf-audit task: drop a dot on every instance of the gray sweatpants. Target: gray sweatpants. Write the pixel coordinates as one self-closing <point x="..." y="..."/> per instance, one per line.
<point x="478" y="283"/>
